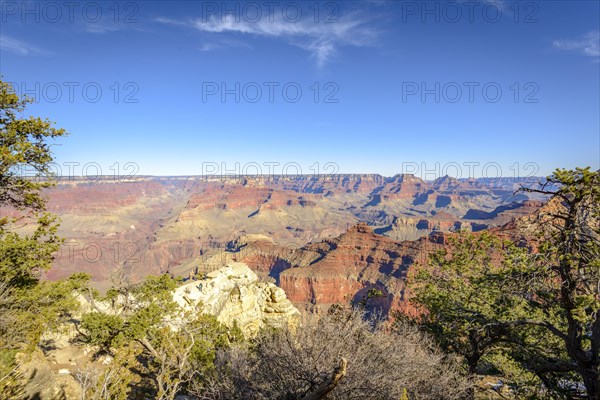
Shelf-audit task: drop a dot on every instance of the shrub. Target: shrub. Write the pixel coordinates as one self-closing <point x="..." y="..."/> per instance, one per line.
<point x="341" y="356"/>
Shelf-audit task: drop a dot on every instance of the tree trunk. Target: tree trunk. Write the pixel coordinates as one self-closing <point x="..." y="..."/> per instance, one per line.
<point x="590" y="380"/>
<point x="321" y="391"/>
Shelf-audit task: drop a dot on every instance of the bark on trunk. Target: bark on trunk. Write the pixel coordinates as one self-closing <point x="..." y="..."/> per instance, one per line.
<point x="590" y="380"/>
<point x="321" y="391"/>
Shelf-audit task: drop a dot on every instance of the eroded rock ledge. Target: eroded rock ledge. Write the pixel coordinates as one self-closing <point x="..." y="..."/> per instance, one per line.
<point x="234" y="295"/>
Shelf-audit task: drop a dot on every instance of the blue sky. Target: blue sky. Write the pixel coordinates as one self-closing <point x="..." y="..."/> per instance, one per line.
<point x="176" y="88"/>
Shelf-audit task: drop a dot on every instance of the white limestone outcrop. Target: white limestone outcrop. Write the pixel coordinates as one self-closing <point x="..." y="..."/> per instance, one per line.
<point x="234" y="295"/>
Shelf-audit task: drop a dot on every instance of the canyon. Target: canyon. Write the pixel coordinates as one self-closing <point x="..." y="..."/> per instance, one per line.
<point x="323" y="239"/>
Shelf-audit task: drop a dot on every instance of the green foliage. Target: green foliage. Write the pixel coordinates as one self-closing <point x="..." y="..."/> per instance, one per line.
<point x="26" y="313"/>
<point x="9" y="382"/>
<point x="532" y="316"/>
<point x="172" y="352"/>
<point x="188" y="354"/>
<point x="28" y="307"/>
<point x="404" y="395"/>
<point x="29" y="312"/>
<point x="209" y="336"/>
<point x="103" y="330"/>
<point x="176" y="347"/>
<point x="23" y="145"/>
<point x="562" y="284"/>
<point x="137" y="311"/>
<point x="374" y="293"/>
<point x="26" y="257"/>
<point x="114" y="381"/>
<point x="462" y="295"/>
<point x="155" y="289"/>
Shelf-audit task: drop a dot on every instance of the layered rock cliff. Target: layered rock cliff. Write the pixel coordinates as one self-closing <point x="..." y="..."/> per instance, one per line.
<point x="152" y="225"/>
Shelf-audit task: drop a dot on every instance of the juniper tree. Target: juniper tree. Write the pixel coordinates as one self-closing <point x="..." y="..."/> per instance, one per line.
<point x="535" y="310"/>
<point x="28" y="306"/>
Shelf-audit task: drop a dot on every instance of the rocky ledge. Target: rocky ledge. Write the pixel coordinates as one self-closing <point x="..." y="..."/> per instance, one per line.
<point x="235" y="296"/>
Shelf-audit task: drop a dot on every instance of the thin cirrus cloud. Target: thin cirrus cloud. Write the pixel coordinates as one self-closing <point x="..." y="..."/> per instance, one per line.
<point x="223" y="43"/>
<point x="588" y="44"/>
<point x="321" y="40"/>
<point x="101" y="28"/>
<point x="19" y="47"/>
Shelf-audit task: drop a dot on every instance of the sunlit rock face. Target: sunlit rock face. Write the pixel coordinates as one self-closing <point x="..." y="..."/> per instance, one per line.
<point x="235" y="296"/>
<point x="146" y="225"/>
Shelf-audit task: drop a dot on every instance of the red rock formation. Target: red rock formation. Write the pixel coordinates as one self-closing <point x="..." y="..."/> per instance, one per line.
<point x="165" y="221"/>
<point x="341" y="270"/>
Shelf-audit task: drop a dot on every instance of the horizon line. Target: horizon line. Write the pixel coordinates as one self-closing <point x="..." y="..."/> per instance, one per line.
<point x="289" y="176"/>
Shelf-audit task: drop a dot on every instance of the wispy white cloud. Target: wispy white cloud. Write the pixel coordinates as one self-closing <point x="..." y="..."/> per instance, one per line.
<point x="223" y="43"/>
<point x="19" y="47"/>
<point x="322" y="40"/>
<point x="170" y="21"/>
<point x="588" y="44"/>
<point x="107" y="25"/>
<point x="100" y="28"/>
